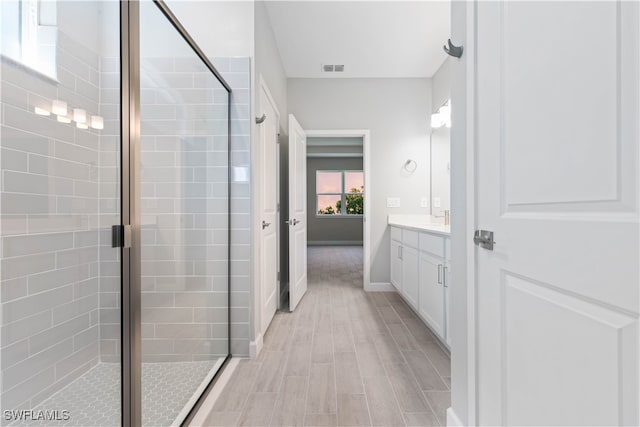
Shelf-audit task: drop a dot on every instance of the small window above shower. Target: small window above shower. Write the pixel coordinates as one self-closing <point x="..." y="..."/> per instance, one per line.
<point x="29" y="35"/>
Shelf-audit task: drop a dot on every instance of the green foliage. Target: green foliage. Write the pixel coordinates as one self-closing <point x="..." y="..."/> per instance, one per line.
<point x="355" y="201"/>
<point x="329" y="210"/>
<point x="355" y="204"/>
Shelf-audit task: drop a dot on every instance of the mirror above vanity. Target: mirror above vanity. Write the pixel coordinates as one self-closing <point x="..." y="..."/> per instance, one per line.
<point x="441" y="161"/>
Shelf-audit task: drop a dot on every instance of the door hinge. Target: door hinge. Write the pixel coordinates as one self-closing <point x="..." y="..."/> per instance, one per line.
<point x="278" y="207"/>
<point x="278" y="276"/>
<point x="121" y="236"/>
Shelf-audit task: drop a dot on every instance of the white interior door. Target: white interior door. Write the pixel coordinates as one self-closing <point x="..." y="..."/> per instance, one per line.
<point x="297" y="212"/>
<point x="557" y="181"/>
<point x="269" y="206"/>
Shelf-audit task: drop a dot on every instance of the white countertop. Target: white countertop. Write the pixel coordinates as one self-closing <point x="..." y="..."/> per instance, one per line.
<point x="420" y="223"/>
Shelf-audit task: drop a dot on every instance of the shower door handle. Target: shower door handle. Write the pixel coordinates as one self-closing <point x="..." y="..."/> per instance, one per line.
<point x="121" y="236"/>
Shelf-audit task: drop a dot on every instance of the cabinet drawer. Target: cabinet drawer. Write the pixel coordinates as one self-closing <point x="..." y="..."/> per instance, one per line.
<point x="410" y="238"/>
<point x="396" y="234"/>
<point x="432" y="244"/>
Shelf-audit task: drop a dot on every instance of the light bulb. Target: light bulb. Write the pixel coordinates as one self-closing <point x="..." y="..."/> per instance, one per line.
<point x="97" y="122"/>
<point x="59" y="108"/>
<point x="41" y="111"/>
<point x="79" y="115"/>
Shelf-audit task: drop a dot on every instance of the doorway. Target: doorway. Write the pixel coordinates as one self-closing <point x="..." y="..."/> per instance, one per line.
<point x="337" y="206"/>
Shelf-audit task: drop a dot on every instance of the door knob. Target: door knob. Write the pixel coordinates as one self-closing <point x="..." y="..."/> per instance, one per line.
<point x="265" y="224"/>
<point x="484" y="239"/>
<point x="292" y="221"/>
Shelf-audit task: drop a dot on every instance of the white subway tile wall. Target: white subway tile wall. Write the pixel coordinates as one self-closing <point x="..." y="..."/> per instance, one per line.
<point x="184" y="175"/>
<point x="60" y="278"/>
<point x="55" y="226"/>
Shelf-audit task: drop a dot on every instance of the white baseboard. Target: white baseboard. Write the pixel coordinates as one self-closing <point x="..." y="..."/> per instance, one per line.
<point x="255" y="347"/>
<point x="379" y="287"/>
<point x="334" y="243"/>
<point x="452" y="419"/>
<point x="200" y="418"/>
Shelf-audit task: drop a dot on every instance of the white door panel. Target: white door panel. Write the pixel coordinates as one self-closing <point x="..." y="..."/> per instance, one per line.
<point x="269" y="211"/>
<point x="297" y="212"/>
<point x="557" y="181"/>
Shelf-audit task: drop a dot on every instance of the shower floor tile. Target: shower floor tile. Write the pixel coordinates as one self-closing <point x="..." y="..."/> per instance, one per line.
<point x="94" y="398"/>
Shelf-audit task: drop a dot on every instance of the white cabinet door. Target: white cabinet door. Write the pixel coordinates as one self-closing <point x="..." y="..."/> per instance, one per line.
<point x="447" y="304"/>
<point x="410" y="275"/>
<point x="431" y="307"/>
<point x="396" y="265"/>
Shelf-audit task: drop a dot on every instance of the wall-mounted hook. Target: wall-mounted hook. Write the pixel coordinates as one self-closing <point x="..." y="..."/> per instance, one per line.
<point x="455" y="51"/>
<point x="261" y="119"/>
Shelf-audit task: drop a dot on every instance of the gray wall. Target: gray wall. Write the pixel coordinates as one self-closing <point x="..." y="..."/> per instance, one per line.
<point x="330" y="229"/>
<point x="396" y="111"/>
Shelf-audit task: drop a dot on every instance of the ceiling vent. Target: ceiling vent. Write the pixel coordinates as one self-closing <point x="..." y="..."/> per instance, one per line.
<point x="330" y="68"/>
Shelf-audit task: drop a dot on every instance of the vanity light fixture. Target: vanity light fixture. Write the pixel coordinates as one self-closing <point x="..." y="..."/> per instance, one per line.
<point x="79" y="116"/>
<point x="59" y="108"/>
<point x="82" y="125"/>
<point x="97" y="122"/>
<point x="63" y="119"/>
<point x="41" y="111"/>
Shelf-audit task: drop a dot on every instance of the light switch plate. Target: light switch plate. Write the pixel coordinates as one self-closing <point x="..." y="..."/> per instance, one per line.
<point x="393" y="202"/>
<point x="424" y="202"/>
<point x="436" y="202"/>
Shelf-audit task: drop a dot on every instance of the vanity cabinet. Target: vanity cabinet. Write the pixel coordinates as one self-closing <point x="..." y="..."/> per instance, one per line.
<point x="396" y="264"/>
<point x="432" y="294"/>
<point x="421" y="273"/>
<point x="410" y="280"/>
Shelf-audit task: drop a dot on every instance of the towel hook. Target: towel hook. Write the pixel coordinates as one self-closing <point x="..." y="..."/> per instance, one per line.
<point x="455" y="51"/>
<point x="261" y="119"/>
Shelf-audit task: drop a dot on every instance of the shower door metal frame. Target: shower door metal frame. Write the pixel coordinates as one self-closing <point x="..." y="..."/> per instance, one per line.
<point x="131" y="271"/>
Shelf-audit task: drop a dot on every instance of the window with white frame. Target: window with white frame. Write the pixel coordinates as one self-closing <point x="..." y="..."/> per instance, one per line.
<point x="29" y="34"/>
<point x="339" y="193"/>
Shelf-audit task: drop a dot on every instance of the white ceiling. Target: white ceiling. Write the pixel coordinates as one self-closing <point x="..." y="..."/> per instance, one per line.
<point x="371" y="38"/>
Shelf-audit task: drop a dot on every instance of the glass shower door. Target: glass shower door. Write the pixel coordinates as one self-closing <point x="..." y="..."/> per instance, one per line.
<point x="60" y="278"/>
<point x="184" y="217"/>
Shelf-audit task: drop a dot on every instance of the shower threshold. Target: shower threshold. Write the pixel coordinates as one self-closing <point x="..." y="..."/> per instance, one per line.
<point x="169" y="390"/>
